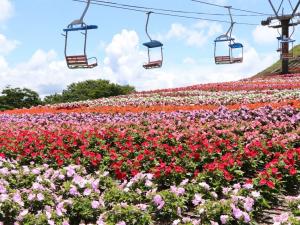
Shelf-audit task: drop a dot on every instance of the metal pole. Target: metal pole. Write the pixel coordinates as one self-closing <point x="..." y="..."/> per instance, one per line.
<point x="285" y="46"/>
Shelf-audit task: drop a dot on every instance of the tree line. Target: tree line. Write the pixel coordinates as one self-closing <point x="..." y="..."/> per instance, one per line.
<point x="12" y="98"/>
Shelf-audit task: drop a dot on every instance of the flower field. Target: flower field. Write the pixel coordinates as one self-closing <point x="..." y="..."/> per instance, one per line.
<point x="207" y="154"/>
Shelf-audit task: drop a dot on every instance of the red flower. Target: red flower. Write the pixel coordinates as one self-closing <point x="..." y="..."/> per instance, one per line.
<point x="293" y="171"/>
<point x="263" y="182"/>
<point x="270" y="184"/>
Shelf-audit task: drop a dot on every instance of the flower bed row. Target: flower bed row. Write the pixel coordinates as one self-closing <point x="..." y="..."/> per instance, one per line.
<point x="262" y="144"/>
<point x="41" y="195"/>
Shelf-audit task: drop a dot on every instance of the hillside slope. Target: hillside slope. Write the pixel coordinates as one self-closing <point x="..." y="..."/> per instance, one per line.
<point x="276" y="67"/>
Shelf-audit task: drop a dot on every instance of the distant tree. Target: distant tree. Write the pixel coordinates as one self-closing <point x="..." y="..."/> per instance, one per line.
<point x="52" y="99"/>
<point x="18" y="98"/>
<point x="90" y="89"/>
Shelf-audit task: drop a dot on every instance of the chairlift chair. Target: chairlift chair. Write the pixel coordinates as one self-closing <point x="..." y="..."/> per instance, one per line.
<point x="235" y="47"/>
<point x="279" y="49"/>
<point x="80" y="61"/>
<point x="229" y="58"/>
<point x="152" y="44"/>
<point x="290" y="54"/>
<point x="223" y="59"/>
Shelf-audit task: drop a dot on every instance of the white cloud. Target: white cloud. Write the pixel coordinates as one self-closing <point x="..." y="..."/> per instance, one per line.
<point x="196" y="35"/>
<point x="265" y="35"/>
<point x="6" y="46"/>
<point x="6" y="10"/>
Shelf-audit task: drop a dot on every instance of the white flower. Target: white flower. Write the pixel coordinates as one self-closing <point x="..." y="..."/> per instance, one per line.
<point x="175" y="222"/>
<point x="255" y="194"/>
<point x="205" y="185"/>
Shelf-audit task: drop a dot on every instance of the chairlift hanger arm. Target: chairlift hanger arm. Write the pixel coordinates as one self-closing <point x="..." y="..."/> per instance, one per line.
<point x="80" y="21"/>
<point x="147" y="23"/>
<point x="229" y="32"/>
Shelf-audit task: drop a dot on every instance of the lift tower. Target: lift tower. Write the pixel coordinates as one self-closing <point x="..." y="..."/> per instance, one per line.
<point x="285" y="23"/>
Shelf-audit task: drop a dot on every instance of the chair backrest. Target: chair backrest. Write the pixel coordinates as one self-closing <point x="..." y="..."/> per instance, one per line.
<point x="77" y="60"/>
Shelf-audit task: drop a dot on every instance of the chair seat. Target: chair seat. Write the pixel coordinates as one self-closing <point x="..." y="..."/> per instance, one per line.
<point x="79" y="62"/>
<point x="237" y="60"/>
<point x="222" y="60"/>
<point x="153" y="64"/>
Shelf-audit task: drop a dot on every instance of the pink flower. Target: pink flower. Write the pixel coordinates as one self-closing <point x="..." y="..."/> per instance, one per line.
<point x="73" y="191"/>
<point x="95" y="204"/>
<point x="121" y="223"/>
<point x="87" y="192"/>
<point x="224" y="219"/>
<point x="40" y="197"/>
<point x="31" y="196"/>
<point x="282" y="218"/>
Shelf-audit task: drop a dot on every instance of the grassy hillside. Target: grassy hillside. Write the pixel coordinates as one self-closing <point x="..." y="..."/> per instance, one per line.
<point x="276" y="67"/>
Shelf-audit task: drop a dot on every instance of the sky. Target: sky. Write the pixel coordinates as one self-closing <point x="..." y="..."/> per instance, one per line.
<point x="32" y="47"/>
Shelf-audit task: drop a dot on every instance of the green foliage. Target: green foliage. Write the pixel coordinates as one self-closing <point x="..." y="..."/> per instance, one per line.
<point x="172" y="204"/>
<point x="8" y="211"/>
<point x="87" y="90"/>
<point x="31" y="219"/>
<point x="295" y="207"/>
<point x="130" y="215"/>
<point x="82" y="208"/>
<point x="117" y="196"/>
<point x="18" y="98"/>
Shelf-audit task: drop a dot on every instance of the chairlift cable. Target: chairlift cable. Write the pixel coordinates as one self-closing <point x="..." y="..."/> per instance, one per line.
<point x="236" y="9"/>
<point x="163" y="14"/>
<point x="171" y="10"/>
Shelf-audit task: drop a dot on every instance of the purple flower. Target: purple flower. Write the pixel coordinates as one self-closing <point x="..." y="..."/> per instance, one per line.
<point x="248" y="204"/>
<point x="73" y="191"/>
<point x="237" y="213"/>
<point x="246" y="217"/>
<point x="18" y="199"/>
<point x="70" y="171"/>
<point x="95" y="184"/>
<point x="198" y="199"/>
<point x="177" y="191"/>
<point x="158" y="200"/>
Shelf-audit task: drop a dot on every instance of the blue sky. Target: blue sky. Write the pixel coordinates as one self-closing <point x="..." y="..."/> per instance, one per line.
<point x="32" y="45"/>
